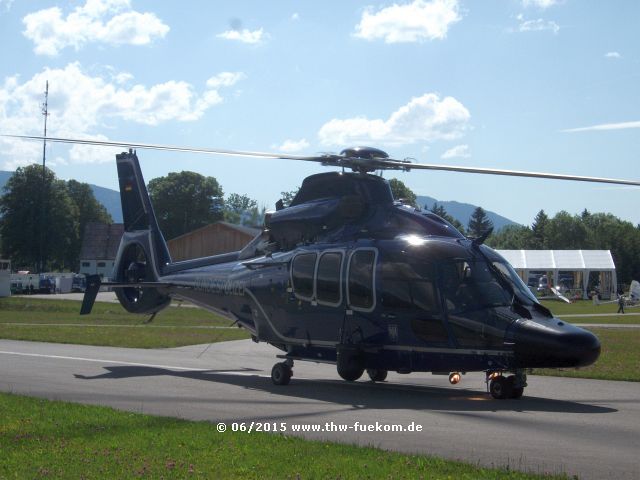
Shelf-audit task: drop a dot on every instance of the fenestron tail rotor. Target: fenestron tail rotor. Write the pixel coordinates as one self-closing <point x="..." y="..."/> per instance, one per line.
<point x="359" y="159"/>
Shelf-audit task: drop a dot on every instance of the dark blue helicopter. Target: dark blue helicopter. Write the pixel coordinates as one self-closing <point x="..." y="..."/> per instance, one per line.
<point x="347" y="275"/>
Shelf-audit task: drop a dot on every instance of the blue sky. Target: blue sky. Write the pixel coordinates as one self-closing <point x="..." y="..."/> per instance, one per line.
<point x="543" y="85"/>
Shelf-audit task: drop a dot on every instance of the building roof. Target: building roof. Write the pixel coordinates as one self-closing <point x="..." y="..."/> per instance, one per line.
<point x="101" y="241"/>
<point x="249" y="231"/>
<point x="597" y="260"/>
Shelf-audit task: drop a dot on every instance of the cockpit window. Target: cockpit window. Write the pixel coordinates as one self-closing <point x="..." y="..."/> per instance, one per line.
<point x="524" y="294"/>
<point x="475" y="297"/>
<point x="471" y="285"/>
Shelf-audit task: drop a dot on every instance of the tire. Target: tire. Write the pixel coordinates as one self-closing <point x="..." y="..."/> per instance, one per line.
<point x="500" y="388"/>
<point x="281" y="374"/>
<point x="350" y="367"/>
<point x="377" y="375"/>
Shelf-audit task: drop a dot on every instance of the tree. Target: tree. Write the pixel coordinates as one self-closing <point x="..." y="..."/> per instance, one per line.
<point x="538" y="230"/>
<point x="512" y="237"/>
<point x="24" y="206"/>
<point x="287" y="197"/>
<point x="479" y="223"/>
<point x="185" y="201"/>
<point x="89" y="210"/>
<point x="565" y="232"/>
<point x="442" y="213"/>
<point x="237" y="208"/>
<point x="402" y="192"/>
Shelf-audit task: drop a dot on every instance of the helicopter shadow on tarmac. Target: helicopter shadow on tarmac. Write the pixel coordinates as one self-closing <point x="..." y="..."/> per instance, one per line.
<point x="360" y="394"/>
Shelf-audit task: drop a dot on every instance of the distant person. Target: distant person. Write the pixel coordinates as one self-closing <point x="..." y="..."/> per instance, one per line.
<point x="620" y="303"/>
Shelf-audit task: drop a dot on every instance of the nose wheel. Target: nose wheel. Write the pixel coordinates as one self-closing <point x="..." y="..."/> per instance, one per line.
<point x="501" y="387"/>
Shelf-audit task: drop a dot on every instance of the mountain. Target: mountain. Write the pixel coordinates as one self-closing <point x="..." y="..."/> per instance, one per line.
<point x="111" y="201"/>
<point x="462" y="211"/>
<point x="107" y="197"/>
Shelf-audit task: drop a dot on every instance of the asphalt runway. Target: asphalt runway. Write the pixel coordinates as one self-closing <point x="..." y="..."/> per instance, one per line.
<point x="588" y="428"/>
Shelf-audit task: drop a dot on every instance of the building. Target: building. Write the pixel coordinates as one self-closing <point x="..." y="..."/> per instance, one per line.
<point x="213" y="239"/>
<point x="99" y="248"/>
<point x="576" y="270"/>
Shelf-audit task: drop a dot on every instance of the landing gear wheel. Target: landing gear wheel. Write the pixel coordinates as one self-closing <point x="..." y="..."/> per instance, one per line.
<point x="500" y="388"/>
<point x="351" y="369"/>
<point x="377" y="375"/>
<point x="516" y="392"/>
<point x="281" y="374"/>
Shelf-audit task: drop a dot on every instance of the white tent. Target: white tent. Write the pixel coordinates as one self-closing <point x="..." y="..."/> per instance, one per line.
<point x="579" y="262"/>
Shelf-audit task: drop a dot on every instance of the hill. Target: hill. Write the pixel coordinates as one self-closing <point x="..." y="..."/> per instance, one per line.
<point x="462" y="211"/>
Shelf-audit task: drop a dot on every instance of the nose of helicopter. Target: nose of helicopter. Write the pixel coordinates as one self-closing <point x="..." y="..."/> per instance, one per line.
<point x="554" y="344"/>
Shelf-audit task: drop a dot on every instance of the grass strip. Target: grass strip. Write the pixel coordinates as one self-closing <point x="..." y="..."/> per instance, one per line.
<point x="52" y="439"/>
<point x="57" y="315"/>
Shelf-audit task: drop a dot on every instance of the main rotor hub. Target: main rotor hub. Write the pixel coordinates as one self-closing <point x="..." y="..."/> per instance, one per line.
<point x="364" y="152"/>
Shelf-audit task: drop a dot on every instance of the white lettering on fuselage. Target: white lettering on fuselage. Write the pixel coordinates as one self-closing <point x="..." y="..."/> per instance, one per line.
<point x="220" y="286"/>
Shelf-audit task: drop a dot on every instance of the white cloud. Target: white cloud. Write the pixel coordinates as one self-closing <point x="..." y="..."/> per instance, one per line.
<point x="459" y="151"/>
<point x="244" y="35"/>
<point x="292" y="146"/>
<point x="605" y="126"/>
<point x="543" y="4"/>
<point x="101" y="21"/>
<point x="612" y="55"/>
<point x="417" y="21"/>
<point x="79" y="103"/>
<point x="295" y="16"/>
<point x="425" y="118"/>
<point x="225" y="79"/>
<point x="537" y="25"/>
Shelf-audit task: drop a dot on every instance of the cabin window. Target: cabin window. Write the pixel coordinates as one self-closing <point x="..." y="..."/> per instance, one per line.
<point x="328" y="278"/>
<point x="86" y="264"/>
<point x="302" y="275"/>
<point x="361" y="280"/>
<point x="408" y="287"/>
<point x="102" y="264"/>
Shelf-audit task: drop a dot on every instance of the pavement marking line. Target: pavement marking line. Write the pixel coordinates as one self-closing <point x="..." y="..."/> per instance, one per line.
<point x="120" y="362"/>
<point x="212" y="327"/>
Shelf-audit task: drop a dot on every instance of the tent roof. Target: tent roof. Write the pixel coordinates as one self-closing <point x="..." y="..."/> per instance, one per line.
<point x="599" y="260"/>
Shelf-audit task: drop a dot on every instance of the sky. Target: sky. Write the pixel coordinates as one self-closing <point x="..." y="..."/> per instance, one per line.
<point x="541" y="85"/>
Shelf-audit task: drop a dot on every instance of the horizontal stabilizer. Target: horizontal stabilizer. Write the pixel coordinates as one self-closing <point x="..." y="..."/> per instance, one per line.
<point x="94" y="283"/>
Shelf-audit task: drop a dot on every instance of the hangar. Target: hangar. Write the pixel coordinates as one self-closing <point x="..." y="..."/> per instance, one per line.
<point x="575" y="270"/>
<point x="212" y="239"/>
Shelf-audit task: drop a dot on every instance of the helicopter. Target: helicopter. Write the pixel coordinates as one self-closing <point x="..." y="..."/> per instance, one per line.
<point x="347" y="275"/>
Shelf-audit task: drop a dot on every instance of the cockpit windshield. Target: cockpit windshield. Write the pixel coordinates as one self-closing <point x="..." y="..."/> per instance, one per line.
<point x="469" y="285"/>
<point x="475" y="284"/>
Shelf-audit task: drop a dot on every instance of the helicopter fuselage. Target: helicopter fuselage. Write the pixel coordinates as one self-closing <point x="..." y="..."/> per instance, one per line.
<point x="407" y="304"/>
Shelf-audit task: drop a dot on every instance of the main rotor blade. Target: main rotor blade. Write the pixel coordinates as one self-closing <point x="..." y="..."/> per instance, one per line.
<point x="174" y="148"/>
<point x="510" y="173"/>
<point x="336" y="160"/>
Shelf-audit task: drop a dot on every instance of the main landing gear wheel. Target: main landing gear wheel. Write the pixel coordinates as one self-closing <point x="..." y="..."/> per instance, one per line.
<point x="281" y="374"/>
<point x="500" y="388"/>
<point x="377" y="374"/>
<point x="351" y="369"/>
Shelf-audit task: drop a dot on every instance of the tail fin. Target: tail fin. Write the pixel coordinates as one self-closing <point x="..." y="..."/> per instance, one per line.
<point x="137" y="210"/>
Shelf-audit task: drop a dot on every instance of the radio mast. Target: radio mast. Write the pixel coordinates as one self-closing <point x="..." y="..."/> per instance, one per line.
<point x="43" y="213"/>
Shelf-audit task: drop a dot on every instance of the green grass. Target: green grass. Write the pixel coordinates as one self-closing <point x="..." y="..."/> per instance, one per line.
<point x="109" y="325"/>
<point x="50" y="439"/>
<point x="619" y="359"/>
<point x="581" y="306"/>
